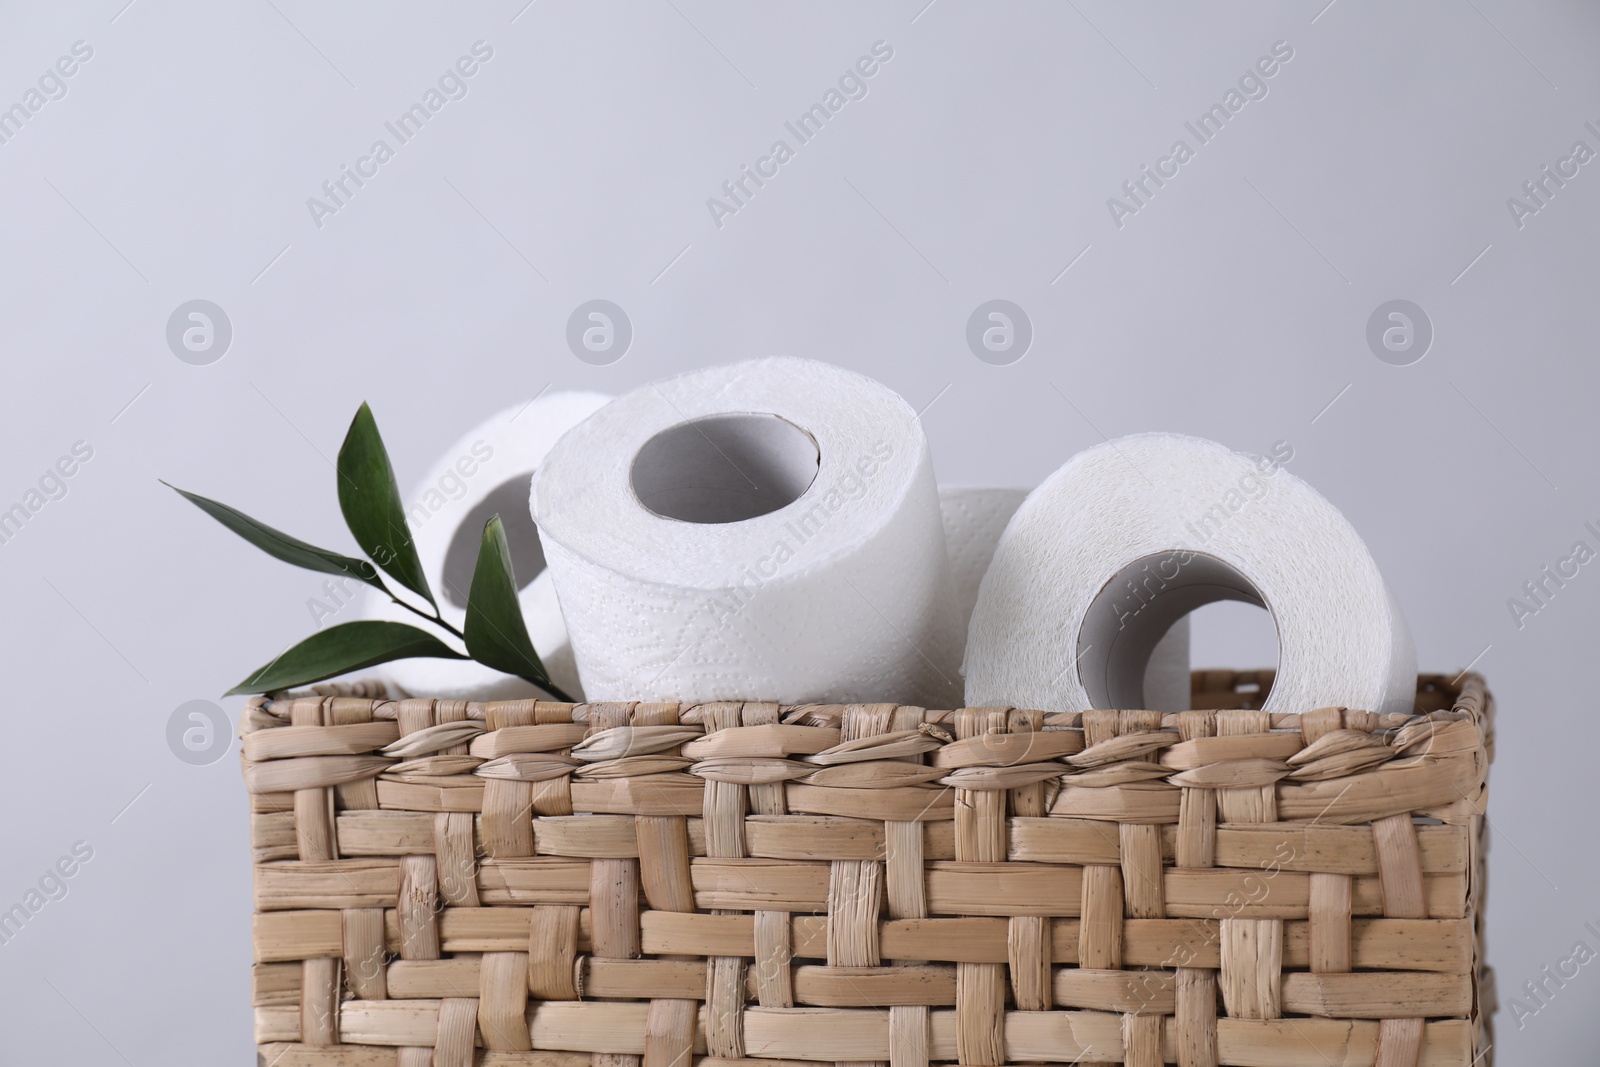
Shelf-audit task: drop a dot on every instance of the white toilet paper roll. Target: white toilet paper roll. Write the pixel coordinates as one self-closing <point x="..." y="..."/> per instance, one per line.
<point x="974" y="517"/>
<point x="1166" y="677"/>
<point x="487" y="472"/>
<point x="763" y="530"/>
<point x="1131" y="535"/>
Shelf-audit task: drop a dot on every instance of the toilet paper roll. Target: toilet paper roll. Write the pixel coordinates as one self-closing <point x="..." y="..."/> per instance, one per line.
<point x="763" y="530"/>
<point x="1166" y="677"/>
<point x="974" y="517"/>
<point x="486" y="472"/>
<point x="1131" y="535"/>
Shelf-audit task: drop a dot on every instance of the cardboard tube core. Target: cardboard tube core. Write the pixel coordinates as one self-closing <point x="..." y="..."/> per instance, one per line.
<point x="1135" y="609"/>
<point x="725" y="468"/>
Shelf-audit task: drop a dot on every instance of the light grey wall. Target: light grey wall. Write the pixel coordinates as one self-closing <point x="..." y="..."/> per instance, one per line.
<point x="1232" y="305"/>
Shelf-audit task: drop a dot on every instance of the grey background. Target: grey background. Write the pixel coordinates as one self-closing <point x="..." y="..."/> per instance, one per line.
<point x="1233" y="306"/>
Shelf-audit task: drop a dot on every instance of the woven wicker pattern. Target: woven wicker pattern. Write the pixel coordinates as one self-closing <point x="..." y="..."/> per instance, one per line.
<point x="536" y="884"/>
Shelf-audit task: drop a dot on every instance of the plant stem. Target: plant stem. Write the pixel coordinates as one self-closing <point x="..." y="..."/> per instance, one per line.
<point x="434" y="618"/>
<point x="548" y="686"/>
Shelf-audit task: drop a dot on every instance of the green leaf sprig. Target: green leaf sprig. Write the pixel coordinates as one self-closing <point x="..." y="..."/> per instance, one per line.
<point x="369" y="498"/>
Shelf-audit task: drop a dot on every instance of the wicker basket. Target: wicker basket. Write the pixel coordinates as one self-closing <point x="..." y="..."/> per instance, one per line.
<point x="536" y="884"/>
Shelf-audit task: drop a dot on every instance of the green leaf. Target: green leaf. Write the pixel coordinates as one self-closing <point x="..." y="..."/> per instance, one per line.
<point x="280" y="545"/>
<point x="350" y="646"/>
<point x="370" y="500"/>
<point x="495" y="633"/>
